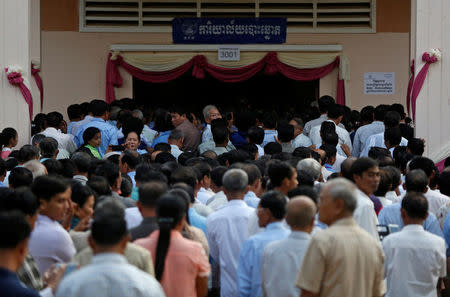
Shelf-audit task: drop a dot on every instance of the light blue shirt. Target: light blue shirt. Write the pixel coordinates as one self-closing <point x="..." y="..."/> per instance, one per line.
<point x="77" y="125"/>
<point x="249" y="265"/>
<point x="197" y="220"/>
<point x="108" y="132"/>
<point x="363" y="133"/>
<point x="2" y="185"/>
<point x="70" y="126"/>
<point x="447" y="233"/>
<point x="132" y="175"/>
<point x="280" y="264"/>
<point x="301" y="141"/>
<point x="251" y="199"/>
<point x="391" y="214"/>
<point x="269" y="136"/>
<point x="207" y="134"/>
<point x="378" y="141"/>
<point x="109" y="275"/>
<point x="162" y="137"/>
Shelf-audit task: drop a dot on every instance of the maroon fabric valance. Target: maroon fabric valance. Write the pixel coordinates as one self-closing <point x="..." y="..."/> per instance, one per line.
<point x="270" y="64"/>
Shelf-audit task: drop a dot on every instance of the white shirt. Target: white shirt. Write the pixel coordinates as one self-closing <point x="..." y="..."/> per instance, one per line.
<point x="363" y="133"/>
<point x="207" y="134"/>
<point x="226" y="233"/>
<point x="378" y="141"/>
<point x="65" y="141"/>
<point x="204" y="194"/>
<point x="365" y="215"/>
<point x="260" y="150"/>
<point x="301" y="140"/>
<point x="337" y="164"/>
<point x="281" y="262"/>
<point x="392" y="196"/>
<point x="50" y="244"/>
<point x="384" y="201"/>
<point x="253" y="224"/>
<point x="217" y="201"/>
<point x="175" y="151"/>
<point x="109" y="275"/>
<point x="414" y="261"/>
<point x="313" y="123"/>
<point x="133" y="217"/>
<point x="435" y="200"/>
<point x="344" y="138"/>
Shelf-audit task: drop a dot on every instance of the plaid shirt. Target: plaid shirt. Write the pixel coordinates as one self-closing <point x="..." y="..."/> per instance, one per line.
<point x="29" y="274"/>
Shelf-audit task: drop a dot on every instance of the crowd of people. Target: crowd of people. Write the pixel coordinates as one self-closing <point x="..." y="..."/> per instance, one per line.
<point x="126" y="200"/>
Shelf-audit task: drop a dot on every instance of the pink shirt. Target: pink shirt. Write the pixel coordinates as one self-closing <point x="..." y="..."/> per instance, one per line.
<point x="185" y="261"/>
<point x="5" y="152"/>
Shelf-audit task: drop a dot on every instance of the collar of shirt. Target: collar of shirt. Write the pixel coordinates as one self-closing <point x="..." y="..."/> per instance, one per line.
<point x="362" y="194"/>
<point x="98" y="120"/>
<point x="51" y="130"/>
<point x="42" y="219"/>
<point x="323" y="116"/>
<point x="274" y="226"/>
<point x="299" y="235"/>
<point x="237" y="202"/>
<point x="413" y="227"/>
<point x="270" y="132"/>
<point x="80" y="177"/>
<point x="251" y="194"/>
<point x="109" y="258"/>
<point x="345" y="222"/>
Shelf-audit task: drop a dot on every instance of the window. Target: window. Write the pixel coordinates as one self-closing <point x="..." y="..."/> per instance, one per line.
<point x="303" y="16"/>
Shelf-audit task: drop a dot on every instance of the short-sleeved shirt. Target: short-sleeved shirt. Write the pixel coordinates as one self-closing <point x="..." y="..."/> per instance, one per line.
<point x="343" y="260"/>
<point x="185" y="261"/>
<point x="10" y="286"/>
<point x="108" y="132"/>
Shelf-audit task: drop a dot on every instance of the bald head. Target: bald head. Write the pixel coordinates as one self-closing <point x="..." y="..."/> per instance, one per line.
<point x="301" y="211"/>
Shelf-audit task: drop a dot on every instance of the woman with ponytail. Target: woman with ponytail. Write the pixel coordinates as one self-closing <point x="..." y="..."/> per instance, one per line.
<point x="181" y="265"/>
<point x="8" y="139"/>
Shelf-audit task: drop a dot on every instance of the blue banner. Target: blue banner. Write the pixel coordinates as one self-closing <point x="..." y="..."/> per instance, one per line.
<point x="229" y="30"/>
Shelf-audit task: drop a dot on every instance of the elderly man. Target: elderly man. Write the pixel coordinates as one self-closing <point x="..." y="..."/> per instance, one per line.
<point x="227" y="230"/>
<point x="282" y="259"/>
<point x="300" y="139"/>
<point x="210" y="112"/>
<point x="342" y="260"/>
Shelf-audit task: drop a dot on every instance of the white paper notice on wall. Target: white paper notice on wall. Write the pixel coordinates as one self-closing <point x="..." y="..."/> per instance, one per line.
<point x="379" y="83"/>
<point x="229" y="53"/>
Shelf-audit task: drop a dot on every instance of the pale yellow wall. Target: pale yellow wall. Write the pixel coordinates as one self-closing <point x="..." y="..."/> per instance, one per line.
<point x="74" y="64"/>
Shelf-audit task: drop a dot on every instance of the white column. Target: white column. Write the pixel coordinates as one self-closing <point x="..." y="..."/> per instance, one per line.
<point x="15" y="32"/>
<point x="433" y="104"/>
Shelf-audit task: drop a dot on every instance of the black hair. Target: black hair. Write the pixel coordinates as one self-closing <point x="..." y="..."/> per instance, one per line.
<point x="100" y="186"/>
<point x="80" y="193"/>
<point x="399" y="109"/>
<point x="444" y="182"/>
<point x="164" y="157"/>
<point x="188" y="189"/>
<point x="20" y="177"/>
<point x="21" y="199"/>
<point x="68" y="168"/>
<point x="162" y="146"/>
<point x="2" y="167"/>
<point x="278" y="171"/>
<point x="54" y="167"/>
<point x="149" y="193"/>
<point x="285" y="132"/>
<point x="217" y="175"/>
<point x="303" y="190"/>
<point x="6" y="135"/>
<point x="401" y="157"/>
<point x="45" y="187"/>
<point x="361" y="165"/>
<point x="416" y="181"/>
<point x="330" y="138"/>
<point x="203" y="168"/>
<point x="396" y="175"/>
<point x="377" y="153"/>
<point x="179" y="109"/>
<point x="393" y="135"/>
<point x="380" y="112"/>
<point x="416" y="205"/>
<point x="324" y="103"/>
<point x="163" y="120"/>
<point x="275" y="202"/>
<point x="170" y="211"/>
<point x="416" y="146"/>
<point x="367" y="114"/>
<point x="89" y="134"/>
<point x="302" y="152"/>
<point x="74" y="111"/>
<point x="38" y="123"/>
<point x="48" y="147"/>
<point x="108" y="170"/>
<point x="273" y="148"/>
<point x="243" y="120"/>
<point x="220" y="134"/>
<point x="131" y="158"/>
<point x="330" y="150"/>
<point x="184" y="157"/>
<point x="391" y="119"/>
<point x="427" y="165"/>
<point x="335" y="111"/>
<point x="98" y="108"/>
<point x="81" y="161"/>
<point x="167" y="169"/>
<point x="14" y="229"/>
<point x="253" y="172"/>
<point x="28" y="152"/>
<point x="145" y="173"/>
<point x="11" y="163"/>
<point x="133" y="125"/>
<point x="126" y="186"/>
<point x="54" y="119"/>
<point x="270" y="120"/>
<point x="385" y="183"/>
<point x="109" y="226"/>
<point x="36" y="139"/>
<point x="255" y="135"/>
<point x="185" y="175"/>
<point x="84" y="108"/>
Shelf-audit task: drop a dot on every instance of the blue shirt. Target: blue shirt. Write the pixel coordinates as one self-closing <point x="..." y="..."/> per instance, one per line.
<point x="249" y="265"/>
<point x="269" y="136"/>
<point x="197" y="220"/>
<point x="70" y="126"/>
<point x="162" y="137"/>
<point x="2" y="184"/>
<point x="447" y="233"/>
<point x="251" y="199"/>
<point x="238" y="138"/>
<point x="363" y="133"/>
<point x="391" y="214"/>
<point x="108" y="132"/>
<point x="12" y="287"/>
<point x="132" y="175"/>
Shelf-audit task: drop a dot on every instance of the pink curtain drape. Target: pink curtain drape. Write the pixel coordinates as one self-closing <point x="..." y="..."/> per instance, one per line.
<point x="38" y="80"/>
<point x="199" y="64"/>
<point x="410" y="85"/>
<point x="16" y="79"/>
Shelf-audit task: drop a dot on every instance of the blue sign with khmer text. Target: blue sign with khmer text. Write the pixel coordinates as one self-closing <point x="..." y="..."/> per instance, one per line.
<point x="229" y="30"/>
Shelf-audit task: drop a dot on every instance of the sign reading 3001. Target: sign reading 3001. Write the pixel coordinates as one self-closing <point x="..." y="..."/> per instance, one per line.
<point x="229" y="53"/>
